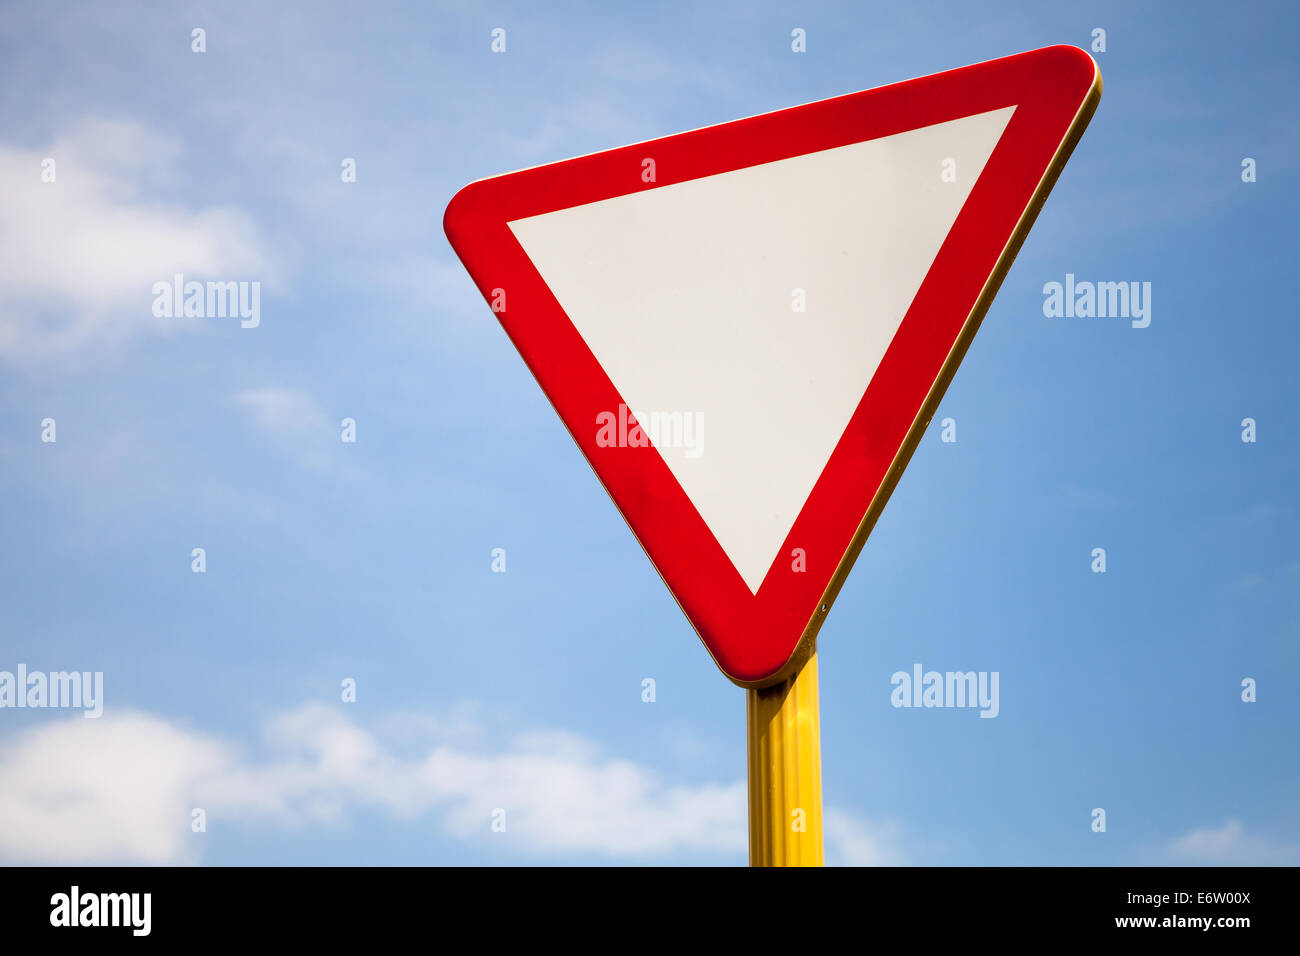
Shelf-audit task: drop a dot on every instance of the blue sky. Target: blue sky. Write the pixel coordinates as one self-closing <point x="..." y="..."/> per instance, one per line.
<point x="522" y="690"/>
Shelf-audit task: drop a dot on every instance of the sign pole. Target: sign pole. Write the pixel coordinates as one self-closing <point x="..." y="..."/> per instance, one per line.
<point x="785" y="771"/>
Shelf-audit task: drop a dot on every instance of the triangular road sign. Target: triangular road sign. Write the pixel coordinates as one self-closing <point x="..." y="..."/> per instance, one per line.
<point x="746" y="328"/>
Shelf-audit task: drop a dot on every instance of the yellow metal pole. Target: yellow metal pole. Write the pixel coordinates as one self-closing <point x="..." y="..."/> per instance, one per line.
<point x="785" y="771"/>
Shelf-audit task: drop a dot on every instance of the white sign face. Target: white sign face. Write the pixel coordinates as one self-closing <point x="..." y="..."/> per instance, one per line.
<point x="758" y="304"/>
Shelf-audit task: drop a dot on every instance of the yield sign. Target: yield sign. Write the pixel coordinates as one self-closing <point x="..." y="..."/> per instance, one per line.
<point x="747" y="328"/>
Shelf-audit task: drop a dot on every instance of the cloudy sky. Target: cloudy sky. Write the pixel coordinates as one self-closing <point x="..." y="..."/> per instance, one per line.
<point x="371" y="561"/>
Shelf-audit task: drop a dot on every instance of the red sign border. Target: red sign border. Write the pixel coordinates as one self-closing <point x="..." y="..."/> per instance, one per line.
<point x="760" y="639"/>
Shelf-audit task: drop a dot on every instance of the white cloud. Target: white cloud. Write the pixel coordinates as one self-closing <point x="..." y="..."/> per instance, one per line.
<point x="121" y="789"/>
<point x="283" y="410"/>
<point x="852" y="841"/>
<point x="300" y="427"/>
<point x="79" y="256"/>
<point x="1231" y="845"/>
